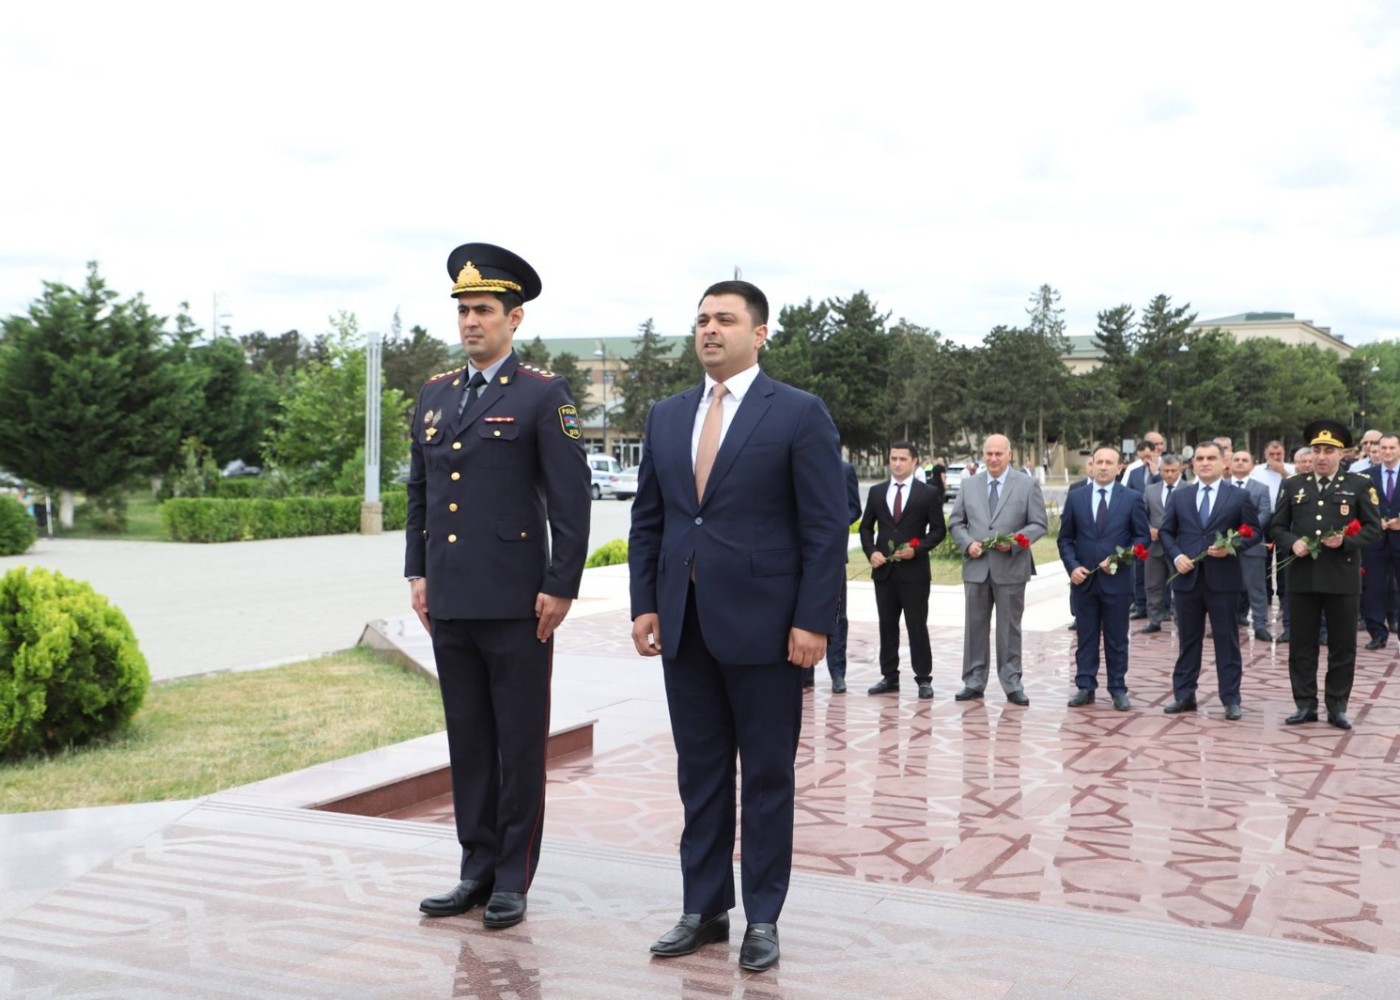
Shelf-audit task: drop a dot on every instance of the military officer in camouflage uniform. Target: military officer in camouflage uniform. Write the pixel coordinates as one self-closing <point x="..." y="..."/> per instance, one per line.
<point x="496" y="458"/>
<point x="1319" y="506"/>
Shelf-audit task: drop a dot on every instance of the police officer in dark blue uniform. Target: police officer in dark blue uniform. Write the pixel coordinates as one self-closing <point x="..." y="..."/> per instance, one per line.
<point x="496" y="459"/>
<point x="1325" y="575"/>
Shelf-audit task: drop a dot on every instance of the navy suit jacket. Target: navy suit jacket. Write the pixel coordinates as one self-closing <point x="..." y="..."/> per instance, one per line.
<point x="1389" y="539"/>
<point x="767" y="540"/>
<point x="1182" y="534"/>
<point x="1082" y="544"/>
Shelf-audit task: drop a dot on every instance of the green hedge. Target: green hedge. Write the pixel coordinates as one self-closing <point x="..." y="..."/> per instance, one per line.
<point x="613" y="553"/>
<point x="17" y="528"/>
<point x="218" y="520"/>
<point x="70" y="669"/>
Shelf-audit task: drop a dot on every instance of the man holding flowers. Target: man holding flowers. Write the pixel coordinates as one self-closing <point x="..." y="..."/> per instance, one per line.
<point x="999" y="513"/>
<point x="1204" y="529"/>
<point x="1312" y="528"/>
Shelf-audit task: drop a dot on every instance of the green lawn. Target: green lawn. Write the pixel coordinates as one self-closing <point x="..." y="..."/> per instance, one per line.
<point x="199" y="735"/>
<point x="142" y="520"/>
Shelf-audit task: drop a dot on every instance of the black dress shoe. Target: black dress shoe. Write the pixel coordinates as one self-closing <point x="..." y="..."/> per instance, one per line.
<point x="690" y="932"/>
<point x="967" y="694"/>
<point x="1301" y="716"/>
<point x="838" y="686"/>
<point x="505" y="909"/>
<point x="1233" y="713"/>
<point x="1121" y="702"/>
<point x="760" y="948"/>
<point x="1149" y="628"/>
<point x="926" y="691"/>
<point x="1018" y="698"/>
<point x="1282" y="636"/>
<point x="1082" y="697"/>
<point x="1338" y="719"/>
<point x="468" y="895"/>
<point x="1177" y="707"/>
<point x="1376" y="644"/>
<point x="884" y="686"/>
<point x="1137" y="616"/>
<point x="1263" y="635"/>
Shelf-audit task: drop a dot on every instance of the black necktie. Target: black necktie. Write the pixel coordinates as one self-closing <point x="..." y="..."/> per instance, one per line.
<point x="898" y="501"/>
<point x="470" y="393"/>
<point x="1101" y="518"/>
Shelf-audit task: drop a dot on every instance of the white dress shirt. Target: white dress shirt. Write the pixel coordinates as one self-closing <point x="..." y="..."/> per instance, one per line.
<point x="737" y="386"/>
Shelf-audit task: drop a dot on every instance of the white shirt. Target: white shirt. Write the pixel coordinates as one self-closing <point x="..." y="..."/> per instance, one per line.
<point x="1270" y="478"/>
<point x="1094" y="497"/>
<point x="737" y="386"/>
<point x="891" y="492"/>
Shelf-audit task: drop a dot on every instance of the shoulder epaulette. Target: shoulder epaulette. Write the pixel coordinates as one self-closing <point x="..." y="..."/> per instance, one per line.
<point x="540" y="373"/>
<point x="442" y="375"/>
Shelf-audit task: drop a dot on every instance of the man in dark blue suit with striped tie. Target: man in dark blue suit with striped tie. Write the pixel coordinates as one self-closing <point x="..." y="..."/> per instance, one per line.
<point x="1098" y="521"/>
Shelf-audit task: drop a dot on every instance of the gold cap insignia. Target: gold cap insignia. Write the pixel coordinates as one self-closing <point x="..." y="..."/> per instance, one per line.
<point x="1326" y="436"/>
<point x="469" y="279"/>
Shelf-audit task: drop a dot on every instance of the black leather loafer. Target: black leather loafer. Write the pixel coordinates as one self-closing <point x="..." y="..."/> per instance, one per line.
<point x="1233" y="713"/>
<point x="1301" y="716"/>
<point x="505" y="909"/>
<point x="1018" y="698"/>
<point x="926" y="691"/>
<point x="884" y="687"/>
<point x="467" y="895"/>
<point x="1185" y="705"/>
<point x="1082" y="697"/>
<point x="1121" y="702"/>
<point x="838" y="686"/>
<point x="760" y="948"/>
<point x="1338" y="719"/>
<point x="1376" y="644"/>
<point x="690" y="932"/>
<point x="967" y="694"/>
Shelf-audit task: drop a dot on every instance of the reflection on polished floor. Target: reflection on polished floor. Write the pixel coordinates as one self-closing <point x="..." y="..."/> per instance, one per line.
<point x="945" y="849"/>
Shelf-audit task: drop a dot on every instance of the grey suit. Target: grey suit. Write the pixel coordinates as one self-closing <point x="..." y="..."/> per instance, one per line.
<point x="996" y="580"/>
<point x="1254" y="561"/>
<point x="1158" y="566"/>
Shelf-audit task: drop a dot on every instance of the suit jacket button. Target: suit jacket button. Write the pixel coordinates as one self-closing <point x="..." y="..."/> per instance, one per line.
<point x="456" y="445"/>
<point x="699" y="520"/>
<point x="451" y="539"/>
<point x="456" y="476"/>
<point x="452" y="507"/>
<point x="495" y="433"/>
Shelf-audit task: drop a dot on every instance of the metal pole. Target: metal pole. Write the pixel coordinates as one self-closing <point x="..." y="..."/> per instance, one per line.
<point x="372" y="511"/>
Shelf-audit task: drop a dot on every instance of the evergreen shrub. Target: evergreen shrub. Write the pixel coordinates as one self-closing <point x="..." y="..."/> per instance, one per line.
<point x="17" y="528"/>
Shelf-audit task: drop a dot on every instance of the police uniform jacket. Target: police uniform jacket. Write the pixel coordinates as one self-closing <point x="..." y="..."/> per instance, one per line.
<point x="1303" y="509"/>
<point x="483" y="486"/>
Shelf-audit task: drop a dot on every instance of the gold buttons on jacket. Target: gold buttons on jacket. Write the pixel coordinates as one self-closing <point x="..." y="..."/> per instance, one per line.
<point x="522" y="534"/>
<point x="456" y="476"/>
<point x="452" y="507"/>
<point x="456" y="445"/>
<point x="451" y="539"/>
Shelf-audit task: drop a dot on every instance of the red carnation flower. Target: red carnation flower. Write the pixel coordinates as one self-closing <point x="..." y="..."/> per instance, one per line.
<point x="1021" y="540"/>
<point x="913" y="543"/>
<point x="1140" y="551"/>
<point x="1245" y="531"/>
<point x="1353" y="529"/>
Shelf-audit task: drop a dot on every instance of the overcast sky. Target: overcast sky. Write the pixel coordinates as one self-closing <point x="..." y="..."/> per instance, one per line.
<point x="303" y="158"/>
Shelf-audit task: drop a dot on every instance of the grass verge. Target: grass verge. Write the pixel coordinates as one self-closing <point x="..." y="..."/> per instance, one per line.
<point x="204" y="734"/>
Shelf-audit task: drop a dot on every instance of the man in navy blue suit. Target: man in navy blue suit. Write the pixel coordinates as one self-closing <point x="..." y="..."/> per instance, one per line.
<point x="1211" y="578"/>
<point x="737" y="551"/>
<point x="836" y="641"/>
<point x="1097" y="521"/>
<point x="1381" y="559"/>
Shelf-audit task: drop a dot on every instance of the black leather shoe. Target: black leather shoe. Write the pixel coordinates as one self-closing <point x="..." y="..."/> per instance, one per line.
<point x="760" y="948"/>
<point x="838" y="686"/>
<point x="1263" y="635"/>
<point x="1137" y="616"/>
<point x="1082" y="697"/>
<point x="1233" y="713"/>
<point x="884" y="687"/>
<point x="967" y="694"/>
<point x="1149" y="628"/>
<point x="1018" y="698"/>
<point x="926" y="691"/>
<point x="1282" y="636"/>
<point x="1121" y="702"/>
<point x="1301" y="716"/>
<point x="505" y="909"/>
<point x="1177" y="707"/>
<point x="1376" y="644"/>
<point x="1338" y="719"/>
<point x="468" y="895"/>
<point x="690" y="932"/>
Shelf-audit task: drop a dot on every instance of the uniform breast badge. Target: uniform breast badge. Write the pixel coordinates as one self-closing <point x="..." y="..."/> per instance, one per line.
<point x="430" y="419"/>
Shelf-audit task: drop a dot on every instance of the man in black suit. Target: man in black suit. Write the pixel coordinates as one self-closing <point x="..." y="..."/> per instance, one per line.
<point x="903" y="522"/>
<point x="1320" y="506"/>
<point x="1138" y="476"/>
<point x="1382" y="559"/>
<point x="498" y="510"/>
<point x="736" y="555"/>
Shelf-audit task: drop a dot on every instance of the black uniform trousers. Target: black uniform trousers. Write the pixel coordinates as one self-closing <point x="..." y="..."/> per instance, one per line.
<point x="494" y="676"/>
<point x="719" y="710"/>
<point x="910" y="598"/>
<point x="1306" y="611"/>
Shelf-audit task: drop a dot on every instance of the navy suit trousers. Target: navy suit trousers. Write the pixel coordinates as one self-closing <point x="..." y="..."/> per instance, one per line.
<point x="1103" y="615"/>
<point x="1192" y="608"/>
<point x="719" y="710"/>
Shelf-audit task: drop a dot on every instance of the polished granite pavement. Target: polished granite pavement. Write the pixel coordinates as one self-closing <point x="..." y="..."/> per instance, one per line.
<point x="943" y="849"/>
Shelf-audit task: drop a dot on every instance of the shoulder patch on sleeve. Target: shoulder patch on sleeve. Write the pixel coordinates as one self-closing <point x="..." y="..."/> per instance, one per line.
<point x="542" y="374"/>
<point x="568" y="421"/>
<point x="1375" y="500"/>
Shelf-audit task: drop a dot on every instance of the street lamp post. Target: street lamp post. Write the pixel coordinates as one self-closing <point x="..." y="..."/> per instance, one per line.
<point x="602" y="354"/>
<point x="1375" y="369"/>
<point x="1171" y="368"/>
